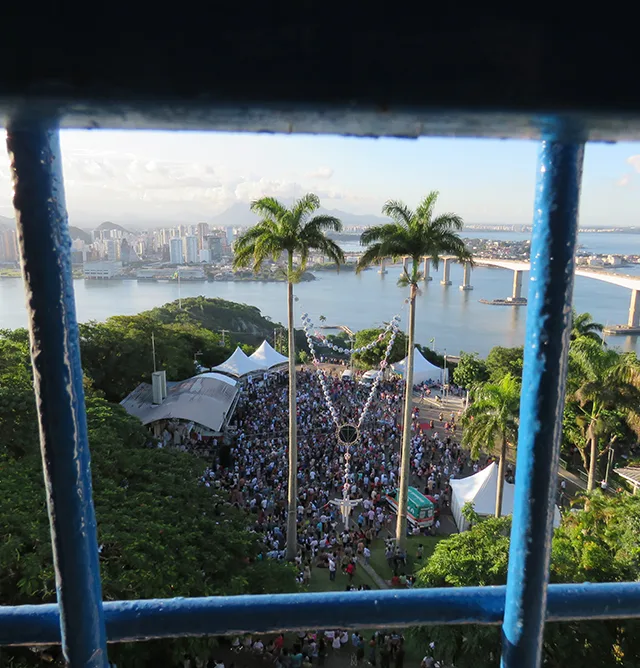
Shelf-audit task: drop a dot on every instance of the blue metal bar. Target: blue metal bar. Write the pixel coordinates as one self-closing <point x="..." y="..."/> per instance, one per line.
<point x="542" y="401"/>
<point x="156" y="618"/>
<point x="45" y="247"/>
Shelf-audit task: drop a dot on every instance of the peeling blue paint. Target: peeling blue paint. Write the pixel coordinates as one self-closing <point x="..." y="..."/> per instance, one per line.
<point x="46" y="260"/>
<point x="542" y="400"/>
<point x="181" y="617"/>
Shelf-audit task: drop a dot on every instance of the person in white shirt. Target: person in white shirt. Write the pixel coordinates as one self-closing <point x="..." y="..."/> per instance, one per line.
<point x="332" y="569"/>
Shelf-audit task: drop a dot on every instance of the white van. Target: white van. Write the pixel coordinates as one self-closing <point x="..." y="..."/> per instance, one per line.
<point x="347" y="375"/>
<point x="368" y="377"/>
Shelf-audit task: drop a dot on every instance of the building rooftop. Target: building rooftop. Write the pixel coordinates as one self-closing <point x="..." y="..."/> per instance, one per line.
<point x="206" y="400"/>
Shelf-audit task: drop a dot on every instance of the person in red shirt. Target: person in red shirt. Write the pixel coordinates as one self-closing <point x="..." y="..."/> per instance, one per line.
<point x="351" y="569"/>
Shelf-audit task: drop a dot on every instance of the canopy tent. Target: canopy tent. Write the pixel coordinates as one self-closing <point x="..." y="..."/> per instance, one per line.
<point x="480" y="489"/>
<point x="267" y="357"/>
<point x="238" y="365"/>
<point x="423" y="370"/>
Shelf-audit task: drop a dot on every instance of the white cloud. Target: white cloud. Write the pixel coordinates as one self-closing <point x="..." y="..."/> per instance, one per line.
<point x="624" y="180"/>
<point x="124" y="186"/>
<point x="321" y="173"/>
<point x="634" y="161"/>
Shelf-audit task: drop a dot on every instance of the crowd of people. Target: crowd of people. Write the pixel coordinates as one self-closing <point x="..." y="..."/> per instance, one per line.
<point x="255" y="477"/>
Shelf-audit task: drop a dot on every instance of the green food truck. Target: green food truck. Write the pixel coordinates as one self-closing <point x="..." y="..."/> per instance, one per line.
<point x="420" y="511"/>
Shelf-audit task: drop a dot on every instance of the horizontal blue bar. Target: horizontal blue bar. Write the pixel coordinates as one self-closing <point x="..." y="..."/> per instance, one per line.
<point x="225" y="615"/>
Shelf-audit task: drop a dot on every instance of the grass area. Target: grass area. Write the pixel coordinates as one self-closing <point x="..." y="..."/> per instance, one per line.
<point x="320" y="580"/>
<point x="379" y="563"/>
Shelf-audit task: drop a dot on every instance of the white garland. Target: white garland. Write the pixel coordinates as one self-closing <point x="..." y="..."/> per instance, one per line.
<point x="392" y="327"/>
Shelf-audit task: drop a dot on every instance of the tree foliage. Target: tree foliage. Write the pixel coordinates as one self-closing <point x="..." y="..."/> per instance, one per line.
<point x="604" y="395"/>
<point x="415" y="234"/>
<point x="583" y="326"/>
<point x="470" y="371"/>
<point x="161" y="532"/>
<point x="475" y="557"/>
<point x="598" y="543"/>
<point x="502" y="361"/>
<point x="373" y="357"/>
<point x="293" y="231"/>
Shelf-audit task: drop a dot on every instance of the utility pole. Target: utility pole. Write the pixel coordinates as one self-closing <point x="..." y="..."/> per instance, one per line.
<point x="153" y="349"/>
<point x="224" y="332"/>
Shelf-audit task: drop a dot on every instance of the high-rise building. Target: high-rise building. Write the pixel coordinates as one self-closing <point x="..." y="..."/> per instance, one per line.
<point x="165" y="236"/>
<point x="9" y="246"/>
<point x="175" y="251"/>
<point x="191" y="249"/>
<point x="231" y="233"/>
<point x="114" y="249"/>
<point x="204" y="255"/>
<point x="214" y="243"/>
<point x="203" y="231"/>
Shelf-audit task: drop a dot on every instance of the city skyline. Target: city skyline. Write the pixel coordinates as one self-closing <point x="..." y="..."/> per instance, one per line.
<point x="162" y="179"/>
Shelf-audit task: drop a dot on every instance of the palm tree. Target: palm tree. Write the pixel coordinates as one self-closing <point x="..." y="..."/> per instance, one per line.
<point x="604" y="381"/>
<point x="414" y="234"/>
<point x="584" y="326"/>
<point x="293" y="233"/>
<point x="491" y="422"/>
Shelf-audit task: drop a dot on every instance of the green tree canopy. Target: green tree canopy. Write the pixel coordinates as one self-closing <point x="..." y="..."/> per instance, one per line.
<point x="603" y="391"/>
<point x="598" y="543"/>
<point x="583" y="325"/>
<point x="490" y="423"/>
<point x="373" y="357"/>
<point x="161" y="532"/>
<point x="470" y="371"/>
<point x="502" y="361"/>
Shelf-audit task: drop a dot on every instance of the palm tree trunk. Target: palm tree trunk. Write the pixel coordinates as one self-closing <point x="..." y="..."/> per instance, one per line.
<point x="403" y="489"/>
<point x="500" y="488"/>
<point x="591" y="481"/>
<point x="292" y="489"/>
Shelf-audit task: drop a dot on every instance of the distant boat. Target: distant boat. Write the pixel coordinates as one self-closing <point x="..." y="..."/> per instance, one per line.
<point x="509" y="301"/>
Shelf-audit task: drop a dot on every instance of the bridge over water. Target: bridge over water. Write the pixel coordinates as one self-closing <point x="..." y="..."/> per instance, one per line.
<point x="519" y="267"/>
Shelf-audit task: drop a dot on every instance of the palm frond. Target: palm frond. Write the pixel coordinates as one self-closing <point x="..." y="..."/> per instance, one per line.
<point x="447" y="222"/>
<point x="332" y="249"/>
<point x="424" y="212"/>
<point x="399" y="212"/>
<point x="380" y="233"/>
<point x="269" y="207"/>
<point x="323" y="223"/>
<point x="302" y="207"/>
<point x="372" y="255"/>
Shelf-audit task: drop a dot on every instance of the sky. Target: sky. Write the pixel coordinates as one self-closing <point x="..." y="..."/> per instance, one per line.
<point x="162" y="178"/>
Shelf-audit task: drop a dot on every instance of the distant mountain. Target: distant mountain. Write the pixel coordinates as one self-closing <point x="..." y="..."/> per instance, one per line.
<point x="108" y="225"/>
<point x="77" y="233"/>
<point x="237" y="215"/>
<point x="240" y="215"/>
<point x="355" y="219"/>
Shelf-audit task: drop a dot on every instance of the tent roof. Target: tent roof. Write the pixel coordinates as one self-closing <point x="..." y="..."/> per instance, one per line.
<point x="267" y="357"/>
<point x="421" y="367"/>
<point x="238" y="365"/>
<point x="218" y="376"/>
<point x="480" y="489"/>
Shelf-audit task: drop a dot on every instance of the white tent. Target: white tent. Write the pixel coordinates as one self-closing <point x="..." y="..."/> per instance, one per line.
<point x="423" y="370"/>
<point x="480" y="489"/>
<point x="238" y="365"/>
<point x="267" y="357"/>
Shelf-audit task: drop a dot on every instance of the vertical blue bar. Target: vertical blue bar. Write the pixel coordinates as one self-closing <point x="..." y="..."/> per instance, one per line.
<point x="546" y="349"/>
<point x="45" y="247"/>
